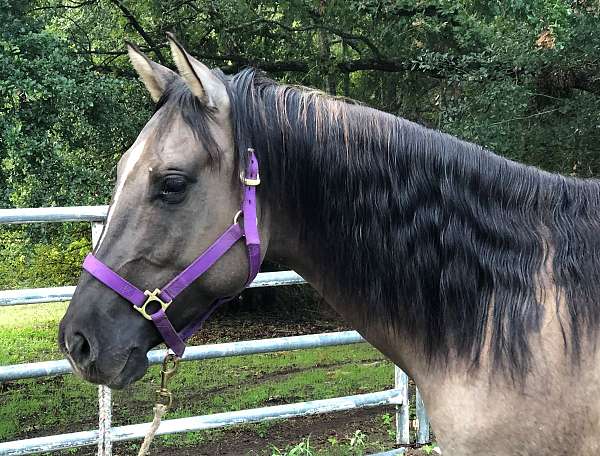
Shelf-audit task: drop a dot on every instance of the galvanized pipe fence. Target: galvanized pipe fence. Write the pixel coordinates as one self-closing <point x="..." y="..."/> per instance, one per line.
<point x="106" y="433"/>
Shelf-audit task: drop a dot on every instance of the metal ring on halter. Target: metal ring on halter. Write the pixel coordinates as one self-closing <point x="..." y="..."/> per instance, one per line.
<point x="236" y="217"/>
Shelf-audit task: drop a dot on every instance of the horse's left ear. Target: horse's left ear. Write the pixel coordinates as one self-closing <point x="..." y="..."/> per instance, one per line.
<point x="155" y="77"/>
<point x="203" y="83"/>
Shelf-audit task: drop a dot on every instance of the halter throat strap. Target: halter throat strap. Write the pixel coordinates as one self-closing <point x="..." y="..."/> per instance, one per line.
<point x="163" y="297"/>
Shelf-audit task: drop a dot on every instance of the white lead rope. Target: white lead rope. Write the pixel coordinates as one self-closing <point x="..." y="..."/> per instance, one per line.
<point x="164" y="400"/>
<point x="159" y="411"/>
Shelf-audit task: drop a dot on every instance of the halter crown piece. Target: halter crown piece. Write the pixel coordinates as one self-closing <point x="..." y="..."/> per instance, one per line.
<point x="163" y="297"/>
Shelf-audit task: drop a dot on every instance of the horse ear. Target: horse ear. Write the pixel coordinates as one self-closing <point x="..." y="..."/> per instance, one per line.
<point x="154" y="76"/>
<point x="203" y="83"/>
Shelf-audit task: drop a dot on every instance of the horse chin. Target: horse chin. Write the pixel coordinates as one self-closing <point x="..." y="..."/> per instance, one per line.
<point x="134" y="368"/>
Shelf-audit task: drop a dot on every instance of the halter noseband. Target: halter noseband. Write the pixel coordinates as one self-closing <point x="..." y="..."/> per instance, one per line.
<point x="165" y="296"/>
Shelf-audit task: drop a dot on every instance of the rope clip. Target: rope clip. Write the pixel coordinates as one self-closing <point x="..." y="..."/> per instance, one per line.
<point x="168" y="370"/>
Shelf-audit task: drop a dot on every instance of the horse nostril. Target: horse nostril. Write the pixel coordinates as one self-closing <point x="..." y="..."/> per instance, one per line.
<point x="80" y="350"/>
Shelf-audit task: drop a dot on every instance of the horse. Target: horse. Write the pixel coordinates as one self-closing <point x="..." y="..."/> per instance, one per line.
<point x="477" y="275"/>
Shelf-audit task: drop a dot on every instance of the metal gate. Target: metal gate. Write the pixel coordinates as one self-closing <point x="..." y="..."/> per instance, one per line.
<point x="106" y="434"/>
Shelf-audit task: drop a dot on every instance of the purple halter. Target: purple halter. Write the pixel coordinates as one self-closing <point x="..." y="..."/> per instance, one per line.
<point x="165" y="296"/>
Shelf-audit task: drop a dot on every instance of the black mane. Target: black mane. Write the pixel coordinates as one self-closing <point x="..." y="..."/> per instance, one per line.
<point x="439" y="237"/>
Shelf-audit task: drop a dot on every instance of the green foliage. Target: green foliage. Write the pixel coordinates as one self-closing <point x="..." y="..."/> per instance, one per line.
<point x="63" y="125"/>
<point x="29" y="264"/>
<point x="388" y="421"/>
<point x="301" y="449"/>
<point x="62" y="129"/>
<point x="521" y="77"/>
<point x="354" y="445"/>
<point x="429" y="448"/>
<point x="480" y="70"/>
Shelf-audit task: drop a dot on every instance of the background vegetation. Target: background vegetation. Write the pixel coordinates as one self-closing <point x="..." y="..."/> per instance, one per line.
<point x="521" y="77"/>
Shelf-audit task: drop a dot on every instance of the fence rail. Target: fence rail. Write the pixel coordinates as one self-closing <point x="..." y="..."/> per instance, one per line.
<point x="57" y="294"/>
<point x="103" y="436"/>
<point x="204" y="422"/>
<point x="196" y="353"/>
<point x="54" y="214"/>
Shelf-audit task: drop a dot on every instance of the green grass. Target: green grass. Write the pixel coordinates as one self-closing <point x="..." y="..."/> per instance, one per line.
<point x="67" y="404"/>
<point x="354" y="445"/>
<point x="28" y="333"/>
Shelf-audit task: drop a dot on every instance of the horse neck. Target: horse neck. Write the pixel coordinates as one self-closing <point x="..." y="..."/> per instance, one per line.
<point x="327" y="195"/>
<point x="422" y="232"/>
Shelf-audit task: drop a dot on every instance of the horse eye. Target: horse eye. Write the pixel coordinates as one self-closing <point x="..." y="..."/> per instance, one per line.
<point x="173" y="185"/>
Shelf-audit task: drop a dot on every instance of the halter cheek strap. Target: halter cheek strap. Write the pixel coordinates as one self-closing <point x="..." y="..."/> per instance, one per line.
<point x="165" y="296"/>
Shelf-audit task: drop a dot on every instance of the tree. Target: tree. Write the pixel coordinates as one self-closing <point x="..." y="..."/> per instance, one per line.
<point x="520" y="77"/>
<point x="63" y="127"/>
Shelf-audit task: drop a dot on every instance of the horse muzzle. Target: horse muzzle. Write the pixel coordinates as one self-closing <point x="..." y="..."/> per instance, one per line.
<point x="98" y="361"/>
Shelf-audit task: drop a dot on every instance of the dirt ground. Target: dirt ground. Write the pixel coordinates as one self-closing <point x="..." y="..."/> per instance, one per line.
<point x="320" y="428"/>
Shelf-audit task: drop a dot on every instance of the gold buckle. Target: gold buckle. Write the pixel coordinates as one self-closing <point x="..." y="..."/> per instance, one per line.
<point x="152" y="297"/>
<point x="248" y="181"/>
